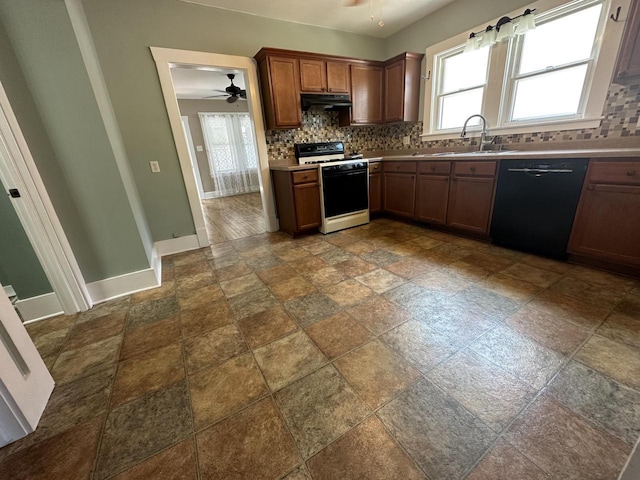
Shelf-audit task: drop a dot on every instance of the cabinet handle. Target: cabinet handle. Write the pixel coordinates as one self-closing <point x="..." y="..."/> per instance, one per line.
<point x="433" y="168"/>
<point x="306" y="176"/>
<point x="631" y="173"/>
<point x="591" y="187"/>
<point x="397" y="167"/>
<point x="473" y="169"/>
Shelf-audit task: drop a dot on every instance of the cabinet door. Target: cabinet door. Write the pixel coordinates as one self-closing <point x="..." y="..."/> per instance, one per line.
<point x="307" y="205"/>
<point x="607" y="224"/>
<point x="366" y="94"/>
<point x="399" y="193"/>
<point x="628" y="64"/>
<point x="375" y="192"/>
<point x="432" y="198"/>
<point x="338" y="77"/>
<point x="394" y="92"/>
<point x="313" y="76"/>
<point x="286" y="95"/>
<point x="470" y="203"/>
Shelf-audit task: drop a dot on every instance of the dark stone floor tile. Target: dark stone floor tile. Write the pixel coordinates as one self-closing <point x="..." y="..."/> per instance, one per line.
<point x="376" y="373"/>
<point x="150" y="371"/>
<point x="288" y="359"/>
<point x="506" y="463"/>
<point x="199" y="297"/>
<point x="42" y="327"/>
<point x="253" y="302"/>
<point x="311" y="308"/>
<point x="319" y="408"/>
<point x="366" y="452"/>
<point x="96" y="330"/>
<point x="196" y="281"/>
<point x="617" y="360"/>
<point x="597" y="295"/>
<point x="379" y="315"/>
<point x="337" y="335"/>
<point x="148" y="312"/>
<point x="167" y="289"/>
<point x="485" y="390"/>
<point x="266" y="326"/>
<point x="221" y="390"/>
<point x="622" y="328"/>
<point x="70" y="404"/>
<point x="253" y="443"/>
<point x="550" y="305"/>
<point x="381" y="257"/>
<point x="149" y="337"/>
<point x="213" y="347"/>
<point x="443" y="438"/>
<point x="143" y="427"/>
<point x="208" y="317"/>
<point x="84" y="361"/>
<point x="67" y="456"/>
<point x="566" y="446"/>
<point x="538" y="276"/>
<point x="105" y="308"/>
<point x="482" y="301"/>
<point x="50" y="343"/>
<point x="605" y="402"/>
<point x="523" y="358"/>
<point x="175" y="463"/>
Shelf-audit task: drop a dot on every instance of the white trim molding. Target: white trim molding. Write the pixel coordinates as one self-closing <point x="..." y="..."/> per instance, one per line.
<point x="38" y="308"/>
<point x="177" y="245"/>
<point x="37" y="214"/>
<point x="163" y="58"/>
<point x="126" y="284"/>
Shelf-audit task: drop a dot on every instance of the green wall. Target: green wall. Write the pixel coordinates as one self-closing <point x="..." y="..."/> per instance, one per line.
<point x="19" y="266"/>
<point x="123" y="30"/>
<point x="42" y="39"/>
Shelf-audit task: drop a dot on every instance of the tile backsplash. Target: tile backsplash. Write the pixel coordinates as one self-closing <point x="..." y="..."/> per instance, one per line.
<point x="621" y="113"/>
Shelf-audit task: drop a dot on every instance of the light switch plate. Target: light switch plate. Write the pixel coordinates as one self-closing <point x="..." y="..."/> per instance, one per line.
<point x="155" y="167"/>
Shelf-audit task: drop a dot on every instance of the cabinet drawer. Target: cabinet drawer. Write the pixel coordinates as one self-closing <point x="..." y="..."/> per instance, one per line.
<point x="435" y="168"/>
<point x="615" y="172"/>
<point x="375" y="167"/>
<point x="400" y="167"/>
<point x="486" y="169"/>
<point x="305" y="176"/>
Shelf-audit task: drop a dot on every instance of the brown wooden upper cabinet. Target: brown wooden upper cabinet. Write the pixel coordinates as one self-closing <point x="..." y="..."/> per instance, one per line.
<point x="380" y="91"/>
<point x="366" y="96"/>
<point x="319" y="76"/>
<point x="280" y="80"/>
<point x="628" y="64"/>
<point x="402" y="88"/>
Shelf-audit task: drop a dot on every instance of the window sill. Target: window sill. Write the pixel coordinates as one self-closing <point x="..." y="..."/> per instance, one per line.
<point x="573" y="124"/>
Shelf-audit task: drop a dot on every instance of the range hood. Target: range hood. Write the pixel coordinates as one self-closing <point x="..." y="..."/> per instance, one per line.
<point x="324" y="102"/>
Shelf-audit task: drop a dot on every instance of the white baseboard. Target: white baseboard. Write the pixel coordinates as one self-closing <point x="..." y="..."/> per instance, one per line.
<point x="126" y="284"/>
<point x="210" y="195"/>
<point x="9" y="291"/>
<point x="40" y="307"/>
<point x="177" y="245"/>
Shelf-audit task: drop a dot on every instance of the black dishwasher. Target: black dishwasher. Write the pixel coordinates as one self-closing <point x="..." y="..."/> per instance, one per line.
<point x="535" y="204"/>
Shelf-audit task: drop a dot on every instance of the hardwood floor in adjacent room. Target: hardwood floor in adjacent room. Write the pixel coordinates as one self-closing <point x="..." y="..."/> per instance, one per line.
<point x="230" y="218"/>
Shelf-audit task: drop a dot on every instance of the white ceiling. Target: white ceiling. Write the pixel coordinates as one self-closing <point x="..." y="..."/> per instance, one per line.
<point x="337" y="14"/>
<point x="190" y="81"/>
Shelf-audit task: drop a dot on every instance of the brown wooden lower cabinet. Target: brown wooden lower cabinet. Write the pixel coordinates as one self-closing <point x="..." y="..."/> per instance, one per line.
<point x="399" y="190"/>
<point x="375" y="192"/>
<point x="607" y="223"/>
<point x="297" y="200"/>
<point x="432" y="199"/>
<point x="470" y="201"/>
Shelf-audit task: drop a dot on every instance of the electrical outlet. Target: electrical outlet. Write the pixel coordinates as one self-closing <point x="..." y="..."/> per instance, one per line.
<point x="406" y="140"/>
<point x="155" y="167"/>
<point x="199" y="148"/>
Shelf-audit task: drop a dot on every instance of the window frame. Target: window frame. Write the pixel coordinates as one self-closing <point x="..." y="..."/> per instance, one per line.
<point x="498" y="98"/>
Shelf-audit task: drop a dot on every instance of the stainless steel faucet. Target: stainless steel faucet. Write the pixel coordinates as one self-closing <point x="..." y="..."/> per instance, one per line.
<point x="485" y="141"/>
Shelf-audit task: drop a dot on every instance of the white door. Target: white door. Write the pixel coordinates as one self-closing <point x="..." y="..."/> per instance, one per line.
<point x="25" y="382"/>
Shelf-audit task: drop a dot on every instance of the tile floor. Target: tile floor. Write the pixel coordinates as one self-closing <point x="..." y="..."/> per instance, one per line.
<point x="386" y="351"/>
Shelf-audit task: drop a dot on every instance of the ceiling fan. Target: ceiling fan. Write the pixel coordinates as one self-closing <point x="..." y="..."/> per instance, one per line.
<point x="232" y="92"/>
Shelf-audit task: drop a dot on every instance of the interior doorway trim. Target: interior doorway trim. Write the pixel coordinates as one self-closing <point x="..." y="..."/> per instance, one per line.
<point x="37" y="214"/>
<point x="164" y="57"/>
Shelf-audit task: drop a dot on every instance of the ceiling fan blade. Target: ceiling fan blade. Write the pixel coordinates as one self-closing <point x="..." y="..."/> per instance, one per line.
<point x="216" y="96"/>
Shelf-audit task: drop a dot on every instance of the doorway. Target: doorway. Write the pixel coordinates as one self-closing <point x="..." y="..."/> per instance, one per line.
<point x="244" y="70"/>
<point x="219" y="133"/>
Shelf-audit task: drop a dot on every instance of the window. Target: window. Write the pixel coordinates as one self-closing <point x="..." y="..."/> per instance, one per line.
<point x="557" y="74"/>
